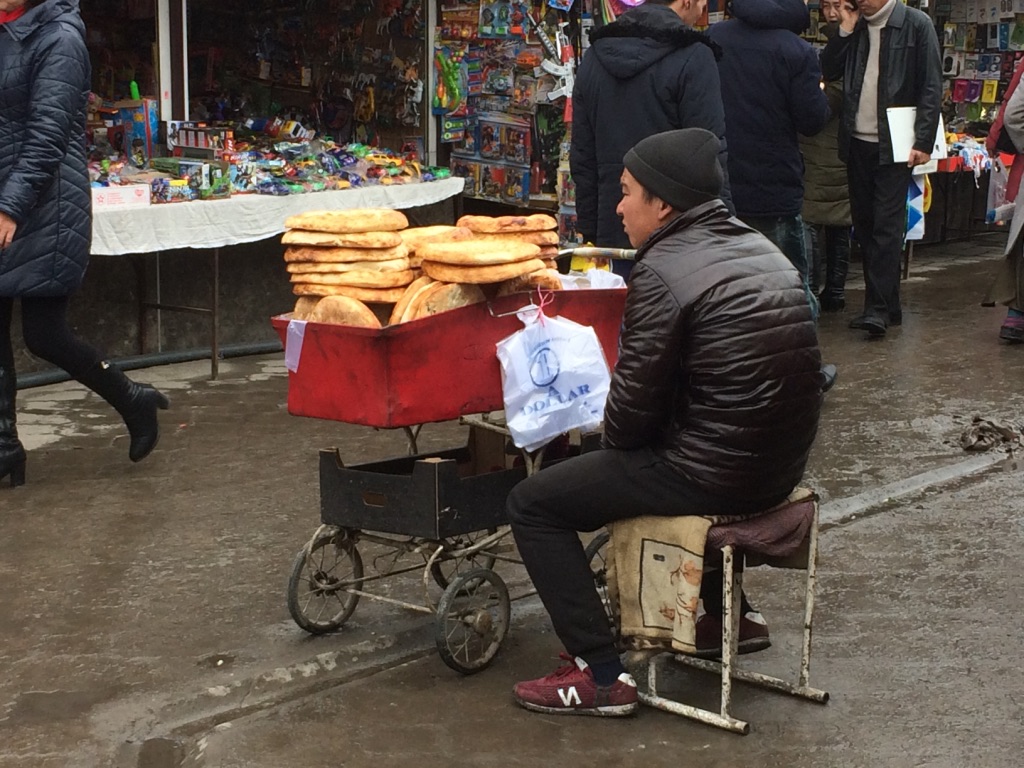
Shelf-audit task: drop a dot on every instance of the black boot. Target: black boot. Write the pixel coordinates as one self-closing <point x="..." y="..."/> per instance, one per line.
<point x="837" y="265"/>
<point x="137" y="404"/>
<point x="12" y="452"/>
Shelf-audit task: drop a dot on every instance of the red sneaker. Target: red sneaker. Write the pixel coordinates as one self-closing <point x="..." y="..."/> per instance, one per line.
<point x="572" y="690"/>
<point x="753" y="635"/>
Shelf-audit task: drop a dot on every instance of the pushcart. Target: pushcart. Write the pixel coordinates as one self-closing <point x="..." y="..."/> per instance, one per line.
<point x="439" y="515"/>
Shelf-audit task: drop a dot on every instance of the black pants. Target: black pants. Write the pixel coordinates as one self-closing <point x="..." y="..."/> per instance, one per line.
<point x="584" y="494"/>
<point x="44" y="324"/>
<point x="878" y="205"/>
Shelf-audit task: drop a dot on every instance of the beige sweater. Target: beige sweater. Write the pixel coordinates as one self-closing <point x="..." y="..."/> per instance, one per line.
<point x="865" y="126"/>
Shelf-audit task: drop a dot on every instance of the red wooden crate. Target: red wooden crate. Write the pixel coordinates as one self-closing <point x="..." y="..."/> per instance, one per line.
<point x="434" y="369"/>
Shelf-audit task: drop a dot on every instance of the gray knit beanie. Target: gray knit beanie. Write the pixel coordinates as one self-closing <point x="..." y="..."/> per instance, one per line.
<point x="680" y="167"/>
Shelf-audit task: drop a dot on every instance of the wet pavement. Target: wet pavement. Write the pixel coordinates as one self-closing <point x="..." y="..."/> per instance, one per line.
<point x="145" y="624"/>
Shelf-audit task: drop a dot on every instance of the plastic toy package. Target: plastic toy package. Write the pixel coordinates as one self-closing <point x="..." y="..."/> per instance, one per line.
<point x="451" y="80"/>
<point x="470" y="171"/>
<point x="502" y="18"/>
<point x="516" y="144"/>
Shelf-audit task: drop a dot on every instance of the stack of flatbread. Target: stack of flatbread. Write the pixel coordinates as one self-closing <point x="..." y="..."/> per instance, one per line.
<point x="365" y="268"/>
<point x="355" y="253"/>
<point x="538" y="229"/>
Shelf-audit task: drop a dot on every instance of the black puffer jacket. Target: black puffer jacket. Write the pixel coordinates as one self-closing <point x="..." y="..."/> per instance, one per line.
<point x="645" y="73"/>
<point x="719" y="369"/>
<point x="44" y="185"/>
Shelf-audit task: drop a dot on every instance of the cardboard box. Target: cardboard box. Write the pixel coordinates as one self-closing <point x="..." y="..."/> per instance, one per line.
<point x="141" y="120"/>
<point x="434" y="369"/>
<point x="121" y="196"/>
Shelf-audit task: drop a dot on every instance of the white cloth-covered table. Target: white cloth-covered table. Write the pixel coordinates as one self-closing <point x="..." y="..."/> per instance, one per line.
<point x="243" y="218"/>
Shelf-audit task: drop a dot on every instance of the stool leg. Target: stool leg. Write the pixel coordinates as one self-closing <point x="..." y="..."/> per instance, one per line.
<point x="812" y="577"/>
<point x="730" y="623"/>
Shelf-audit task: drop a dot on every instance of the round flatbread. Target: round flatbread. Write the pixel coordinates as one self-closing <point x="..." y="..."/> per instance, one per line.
<point x="379" y="295"/>
<point x="304" y="306"/>
<point x="501" y="224"/>
<point x="495" y="273"/>
<point x="352" y="220"/>
<point x="358" y="278"/>
<point x="550" y="264"/>
<point x="343" y="310"/>
<point x="442" y="297"/>
<point x="546" y="237"/>
<point x="414" y="237"/>
<point x="547" y="279"/>
<point x="352" y="240"/>
<point x="325" y="254"/>
<point x="337" y="267"/>
<point x="410" y="292"/>
<point x="548" y="252"/>
<point x="477" y="252"/>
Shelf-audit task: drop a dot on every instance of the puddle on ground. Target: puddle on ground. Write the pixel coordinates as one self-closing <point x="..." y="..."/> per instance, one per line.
<point x="51" y="706"/>
<point x="160" y="753"/>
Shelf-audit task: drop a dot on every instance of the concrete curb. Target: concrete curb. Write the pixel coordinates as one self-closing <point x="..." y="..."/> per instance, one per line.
<point x="843" y="511"/>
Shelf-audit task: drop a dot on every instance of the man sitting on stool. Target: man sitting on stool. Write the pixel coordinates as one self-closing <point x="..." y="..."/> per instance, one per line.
<point x="712" y="410"/>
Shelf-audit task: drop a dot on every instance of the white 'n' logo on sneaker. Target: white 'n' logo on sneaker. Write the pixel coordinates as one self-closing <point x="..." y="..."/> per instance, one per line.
<point x="569" y="696"/>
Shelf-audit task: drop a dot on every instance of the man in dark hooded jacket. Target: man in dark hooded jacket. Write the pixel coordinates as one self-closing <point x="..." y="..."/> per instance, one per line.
<point x="645" y="73"/>
<point x="771" y="88"/>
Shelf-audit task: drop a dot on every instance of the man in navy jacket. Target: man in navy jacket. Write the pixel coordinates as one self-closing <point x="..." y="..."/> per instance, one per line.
<point x="771" y="88"/>
<point x="647" y="72"/>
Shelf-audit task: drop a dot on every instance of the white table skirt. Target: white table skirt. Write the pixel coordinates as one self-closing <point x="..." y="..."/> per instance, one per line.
<point x="243" y="218"/>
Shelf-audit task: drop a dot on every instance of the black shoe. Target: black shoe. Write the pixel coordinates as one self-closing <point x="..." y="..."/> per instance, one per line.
<point x="828" y="377"/>
<point x="857" y="323"/>
<point x="874" y="325"/>
<point x="831" y="303"/>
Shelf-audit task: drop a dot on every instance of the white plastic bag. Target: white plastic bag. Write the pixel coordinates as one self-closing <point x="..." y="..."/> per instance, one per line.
<point x="554" y="378"/>
<point x="998" y="209"/>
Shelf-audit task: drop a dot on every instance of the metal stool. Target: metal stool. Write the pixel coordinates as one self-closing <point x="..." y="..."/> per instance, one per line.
<point x="732" y="582"/>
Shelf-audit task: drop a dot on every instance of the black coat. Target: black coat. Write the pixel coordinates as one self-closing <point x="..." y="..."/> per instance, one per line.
<point x="771" y="89"/>
<point x="44" y="185"/>
<point x="719" y="369"/>
<point x="645" y="73"/>
<point x="909" y="75"/>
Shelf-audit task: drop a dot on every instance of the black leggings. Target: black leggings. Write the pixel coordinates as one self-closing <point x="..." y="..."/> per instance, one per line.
<point x="44" y="324"/>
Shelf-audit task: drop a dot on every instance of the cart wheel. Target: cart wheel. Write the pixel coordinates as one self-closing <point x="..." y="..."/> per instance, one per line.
<point x="472" y="619"/>
<point x="316" y="597"/>
<point x="445" y="570"/>
<point x="597" y="555"/>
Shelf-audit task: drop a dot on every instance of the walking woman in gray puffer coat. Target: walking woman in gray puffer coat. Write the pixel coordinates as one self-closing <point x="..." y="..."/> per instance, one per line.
<point x="46" y="217"/>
